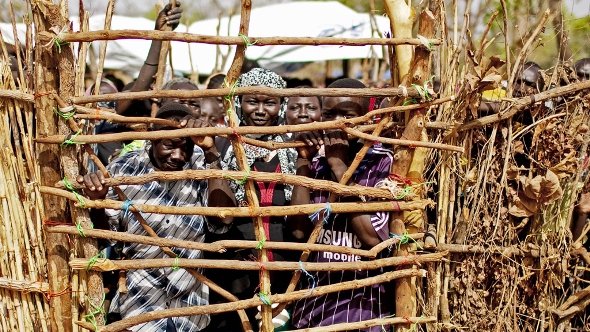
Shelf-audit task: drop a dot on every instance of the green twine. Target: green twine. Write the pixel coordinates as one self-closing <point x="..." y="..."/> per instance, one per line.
<point x="264" y="298"/>
<point x="403" y="239"/>
<point x="230" y="97"/>
<point x="246" y="40"/>
<point x="404" y="193"/>
<point x="96" y="311"/>
<point x="70" y="187"/>
<point x="93" y="260"/>
<point x="134" y="145"/>
<point x="176" y="264"/>
<point x="422" y="91"/>
<point x="426" y="42"/>
<point x="65" y="113"/>
<point x="241" y="181"/>
<point x="80" y="229"/>
<point x="59" y="43"/>
<point x="260" y="244"/>
<point x="70" y="140"/>
<point x="409" y="101"/>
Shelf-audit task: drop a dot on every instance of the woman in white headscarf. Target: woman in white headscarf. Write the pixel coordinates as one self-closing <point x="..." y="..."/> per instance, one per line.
<point x="256" y="110"/>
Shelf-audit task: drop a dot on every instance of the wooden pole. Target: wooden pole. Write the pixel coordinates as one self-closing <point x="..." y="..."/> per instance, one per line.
<point x="222" y="212"/>
<point x="45" y="16"/>
<point x="223" y="245"/>
<point x="226" y="40"/>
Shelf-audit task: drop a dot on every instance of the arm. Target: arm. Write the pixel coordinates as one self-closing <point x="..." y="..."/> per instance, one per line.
<point x="364" y="230"/>
<point x="219" y="192"/>
<point x="300" y="225"/>
<point x="167" y="20"/>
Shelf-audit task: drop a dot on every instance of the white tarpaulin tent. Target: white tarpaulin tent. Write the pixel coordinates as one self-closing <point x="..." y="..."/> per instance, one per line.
<point x="301" y="19"/>
<point x="293" y="19"/>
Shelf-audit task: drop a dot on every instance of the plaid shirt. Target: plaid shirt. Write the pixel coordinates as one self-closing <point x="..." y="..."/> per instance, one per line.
<point x="157" y="289"/>
<point x="355" y="305"/>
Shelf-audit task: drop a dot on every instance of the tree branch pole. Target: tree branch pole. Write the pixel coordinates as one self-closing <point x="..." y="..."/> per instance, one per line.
<point x="253" y="302"/>
<point x="161" y="65"/>
<point x="242" y="162"/>
<point x="105" y="265"/>
<point x="250" y="211"/>
<point x="24" y="286"/>
<point x="74" y="126"/>
<point x="411" y="92"/>
<point x="223" y="245"/>
<point x="188" y="37"/>
<point x="45" y="16"/>
<point x="369" y="323"/>
<point x="522" y="103"/>
<point x="296" y="180"/>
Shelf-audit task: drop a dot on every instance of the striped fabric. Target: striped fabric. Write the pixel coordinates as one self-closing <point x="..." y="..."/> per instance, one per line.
<point x="157" y="289"/>
<point x="353" y="305"/>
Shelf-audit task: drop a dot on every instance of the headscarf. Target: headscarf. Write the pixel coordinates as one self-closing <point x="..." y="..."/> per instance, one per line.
<point x="287" y="157"/>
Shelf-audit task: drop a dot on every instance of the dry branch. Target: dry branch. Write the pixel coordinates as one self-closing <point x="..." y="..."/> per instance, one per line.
<point x="369" y="323"/>
<point x="227" y="40"/>
<point x="222" y="246"/>
<point x="250" y="303"/>
<point x="23" y="285"/>
<point x="411" y="92"/>
<point x="314" y="184"/>
<point x="104" y="265"/>
<point x="522" y="103"/>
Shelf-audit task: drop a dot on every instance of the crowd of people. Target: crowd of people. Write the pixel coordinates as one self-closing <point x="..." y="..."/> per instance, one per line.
<point x="327" y="156"/>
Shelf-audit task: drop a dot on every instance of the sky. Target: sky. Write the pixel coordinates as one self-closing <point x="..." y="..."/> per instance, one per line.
<point x="212" y="8"/>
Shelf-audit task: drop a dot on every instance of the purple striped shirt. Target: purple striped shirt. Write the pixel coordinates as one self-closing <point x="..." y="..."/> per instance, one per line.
<point x="353" y="305"/>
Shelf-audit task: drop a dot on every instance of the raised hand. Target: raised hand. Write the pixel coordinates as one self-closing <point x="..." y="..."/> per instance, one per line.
<point x="94" y="184"/>
<point x="169" y="17"/>
<point x="314" y="141"/>
<point x="336" y="149"/>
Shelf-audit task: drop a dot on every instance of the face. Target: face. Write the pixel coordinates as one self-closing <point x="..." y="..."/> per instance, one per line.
<point x="528" y="82"/>
<point x="303" y="110"/>
<point x="171" y="154"/>
<point x="211" y="112"/>
<point x="193" y="104"/>
<point x="104" y="89"/>
<point x="336" y="108"/>
<point x="260" y="110"/>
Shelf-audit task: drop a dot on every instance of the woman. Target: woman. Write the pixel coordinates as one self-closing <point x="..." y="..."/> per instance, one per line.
<point x="256" y="110"/>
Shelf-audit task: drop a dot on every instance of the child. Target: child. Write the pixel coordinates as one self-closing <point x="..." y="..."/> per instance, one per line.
<point x="328" y="156"/>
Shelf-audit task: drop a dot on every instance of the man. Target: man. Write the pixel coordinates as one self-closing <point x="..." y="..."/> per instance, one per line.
<point x="582" y="68"/>
<point x="529" y="80"/>
<point x="157" y="289"/>
<point x="328" y="156"/>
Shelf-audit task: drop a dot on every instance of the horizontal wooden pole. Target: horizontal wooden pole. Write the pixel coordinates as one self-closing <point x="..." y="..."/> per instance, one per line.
<point x="401" y="142"/>
<point x="253" y="302"/>
<point x="410" y="92"/>
<point x="369" y="323"/>
<point x="296" y="180"/>
<point x="223" y="245"/>
<point x="475" y="249"/>
<point x="24" y="285"/>
<point x="17" y="95"/>
<point x="522" y="103"/>
<point x="104" y="265"/>
<point x="89" y="36"/>
<point x="223" y="212"/>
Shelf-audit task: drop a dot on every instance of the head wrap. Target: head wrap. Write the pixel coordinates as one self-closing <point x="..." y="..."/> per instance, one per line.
<point x="287" y="157"/>
<point x="261" y="77"/>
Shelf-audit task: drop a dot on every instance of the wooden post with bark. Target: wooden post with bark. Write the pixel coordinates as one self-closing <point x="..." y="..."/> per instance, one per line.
<point x="59" y="77"/>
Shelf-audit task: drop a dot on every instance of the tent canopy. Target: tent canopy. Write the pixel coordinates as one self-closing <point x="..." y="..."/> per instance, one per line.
<point x="292" y="19"/>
